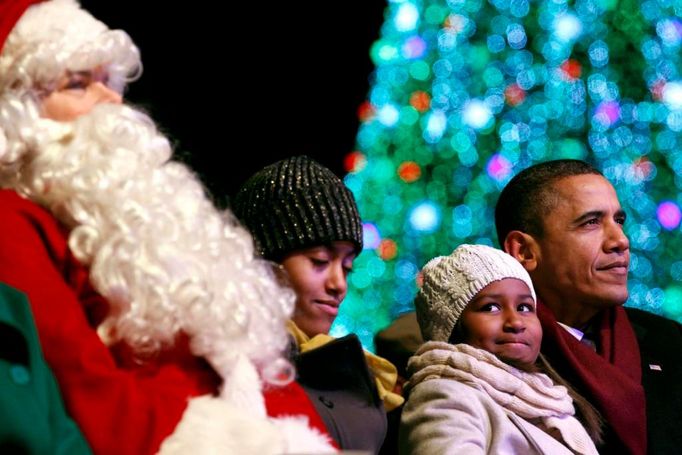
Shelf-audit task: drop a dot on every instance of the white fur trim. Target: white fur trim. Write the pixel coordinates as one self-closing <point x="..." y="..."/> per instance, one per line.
<point x="242" y="388"/>
<point x="61" y="21"/>
<point x="50" y="20"/>
<point x="300" y="438"/>
<point x="213" y="426"/>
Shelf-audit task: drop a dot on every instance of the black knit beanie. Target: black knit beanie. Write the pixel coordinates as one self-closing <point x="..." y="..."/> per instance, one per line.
<point x="297" y="203"/>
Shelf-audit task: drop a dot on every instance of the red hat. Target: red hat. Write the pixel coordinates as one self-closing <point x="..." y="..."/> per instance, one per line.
<point x="10" y="12"/>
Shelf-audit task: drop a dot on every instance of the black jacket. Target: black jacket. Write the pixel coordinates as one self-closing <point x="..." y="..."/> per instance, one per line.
<point x="338" y="382"/>
<point x="660" y="347"/>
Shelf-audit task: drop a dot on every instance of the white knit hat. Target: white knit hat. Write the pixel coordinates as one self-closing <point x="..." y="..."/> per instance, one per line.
<point x="451" y="282"/>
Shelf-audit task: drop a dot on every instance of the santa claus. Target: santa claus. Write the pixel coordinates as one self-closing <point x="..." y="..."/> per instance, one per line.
<point x="164" y="330"/>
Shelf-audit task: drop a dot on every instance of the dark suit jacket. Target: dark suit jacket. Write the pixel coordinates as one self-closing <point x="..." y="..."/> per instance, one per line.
<point x="660" y="346"/>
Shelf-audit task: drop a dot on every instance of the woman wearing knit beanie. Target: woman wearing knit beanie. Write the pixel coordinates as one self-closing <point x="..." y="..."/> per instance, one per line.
<point x="305" y="220"/>
<point x="479" y="384"/>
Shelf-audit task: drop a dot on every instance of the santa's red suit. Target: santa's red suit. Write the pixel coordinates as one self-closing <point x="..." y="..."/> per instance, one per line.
<point x="121" y="405"/>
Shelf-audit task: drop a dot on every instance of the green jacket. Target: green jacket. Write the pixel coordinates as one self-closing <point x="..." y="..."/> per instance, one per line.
<point x="32" y="415"/>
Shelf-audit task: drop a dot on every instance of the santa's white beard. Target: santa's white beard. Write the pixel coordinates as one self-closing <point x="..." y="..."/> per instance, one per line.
<point x="165" y="259"/>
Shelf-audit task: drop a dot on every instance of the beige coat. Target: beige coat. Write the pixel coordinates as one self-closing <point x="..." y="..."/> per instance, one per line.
<point x="443" y="416"/>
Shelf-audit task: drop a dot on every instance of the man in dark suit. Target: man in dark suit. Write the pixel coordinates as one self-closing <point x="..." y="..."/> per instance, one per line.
<point x="562" y="220"/>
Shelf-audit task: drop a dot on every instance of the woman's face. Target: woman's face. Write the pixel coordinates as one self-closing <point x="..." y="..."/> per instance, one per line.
<point x="319" y="275"/>
<point x="501" y="319"/>
<point x="76" y="93"/>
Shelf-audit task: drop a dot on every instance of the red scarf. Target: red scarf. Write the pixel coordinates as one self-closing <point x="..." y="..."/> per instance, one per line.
<point x="610" y="378"/>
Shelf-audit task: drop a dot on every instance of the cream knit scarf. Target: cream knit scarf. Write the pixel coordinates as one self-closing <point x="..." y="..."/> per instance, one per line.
<point x="529" y="395"/>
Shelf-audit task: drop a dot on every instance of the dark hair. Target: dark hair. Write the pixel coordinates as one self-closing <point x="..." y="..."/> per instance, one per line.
<point x="586" y="414"/>
<point x="529" y="195"/>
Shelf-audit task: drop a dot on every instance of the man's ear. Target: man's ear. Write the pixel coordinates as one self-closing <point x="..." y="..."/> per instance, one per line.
<point x="523" y="248"/>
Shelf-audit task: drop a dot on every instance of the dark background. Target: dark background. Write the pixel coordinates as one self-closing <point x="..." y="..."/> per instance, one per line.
<point x="239" y="87"/>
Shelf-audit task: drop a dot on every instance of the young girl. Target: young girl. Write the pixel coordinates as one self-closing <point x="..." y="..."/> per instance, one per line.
<point x="479" y="384"/>
<point x="305" y="220"/>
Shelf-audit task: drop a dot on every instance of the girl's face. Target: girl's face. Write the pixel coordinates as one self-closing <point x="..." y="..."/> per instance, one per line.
<point x="501" y="319"/>
<point x="76" y="93"/>
<point x="319" y="275"/>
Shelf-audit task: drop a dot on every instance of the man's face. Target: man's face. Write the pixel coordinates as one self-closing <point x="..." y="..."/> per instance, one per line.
<point x="583" y="253"/>
<point x="76" y="94"/>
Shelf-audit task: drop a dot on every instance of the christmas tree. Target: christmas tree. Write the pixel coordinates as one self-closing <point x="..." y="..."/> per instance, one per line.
<point x="466" y="93"/>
